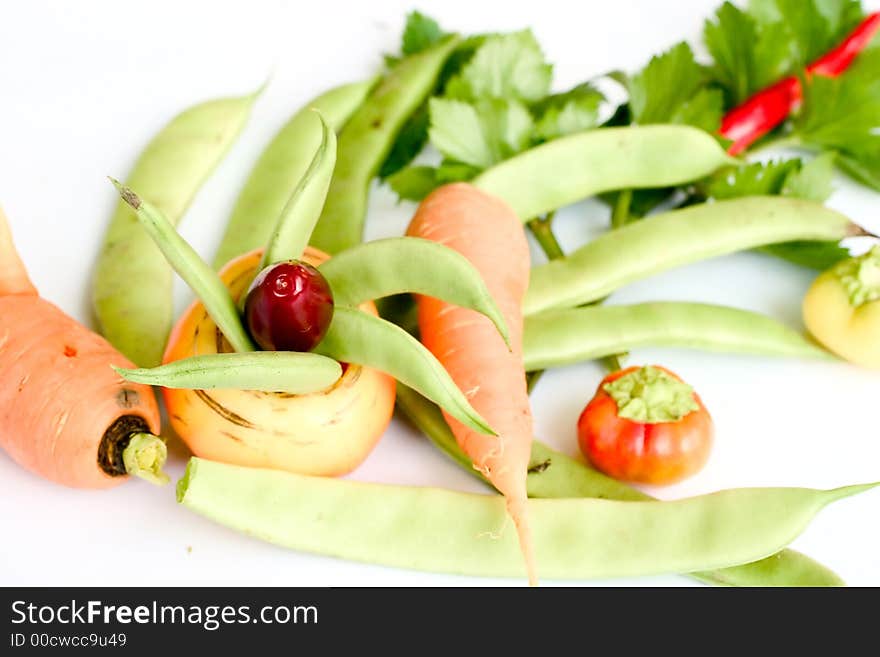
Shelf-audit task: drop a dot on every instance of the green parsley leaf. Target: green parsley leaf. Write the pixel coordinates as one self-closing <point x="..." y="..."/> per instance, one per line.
<point x="566" y="113"/>
<point x="479" y="134"/>
<point x="509" y="66"/>
<point x="666" y="91"/>
<point x="421" y="32"/>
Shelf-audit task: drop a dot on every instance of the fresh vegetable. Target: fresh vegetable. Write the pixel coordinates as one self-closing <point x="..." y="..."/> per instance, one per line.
<point x="555" y="475"/>
<point x="64" y="414"/>
<point x="554" y="338"/>
<point x="677" y="238"/>
<point x="368" y="138"/>
<point x="842" y="309"/>
<point x="280" y="168"/>
<point x="288" y="307"/>
<point x="293" y="373"/>
<point x="751" y="120"/>
<point x="486" y="231"/>
<point x="646" y="425"/>
<point x="170" y="170"/>
<point x="446" y="531"/>
<point x="327" y="433"/>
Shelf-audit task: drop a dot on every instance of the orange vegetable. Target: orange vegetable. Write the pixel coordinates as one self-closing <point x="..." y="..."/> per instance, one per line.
<point x="488" y="233"/>
<point x="64" y="413"/>
<point x="646" y="425"/>
<point x="326" y="433"/>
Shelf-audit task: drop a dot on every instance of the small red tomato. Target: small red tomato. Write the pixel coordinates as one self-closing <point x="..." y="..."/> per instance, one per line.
<point x="646" y="425"/>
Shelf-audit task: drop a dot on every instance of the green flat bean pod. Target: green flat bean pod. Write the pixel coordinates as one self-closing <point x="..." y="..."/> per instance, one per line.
<point x="561" y="337"/>
<point x="297" y="220"/>
<point x="677" y="238"/>
<point x="409" y="264"/>
<point x="280" y="168"/>
<point x="295" y="373"/>
<point x="132" y="285"/>
<point x="440" y="530"/>
<point x="553" y="474"/>
<point x="569" y="169"/>
<point x="362" y="339"/>
<point x="367" y="139"/>
<point x="191" y="268"/>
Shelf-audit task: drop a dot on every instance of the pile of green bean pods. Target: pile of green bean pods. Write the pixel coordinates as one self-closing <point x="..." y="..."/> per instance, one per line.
<point x="169" y="172"/>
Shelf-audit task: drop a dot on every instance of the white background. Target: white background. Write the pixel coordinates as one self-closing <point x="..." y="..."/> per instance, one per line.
<point x="84" y="85"/>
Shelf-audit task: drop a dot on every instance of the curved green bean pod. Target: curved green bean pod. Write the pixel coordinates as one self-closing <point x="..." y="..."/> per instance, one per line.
<point x="191" y="268"/>
<point x="569" y="169"/>
<point x="561" y="337"/>
<point x="677" y="238"/>
<point x="441" y="530"/>
<point x="291" y="372"/>
<point x="553" y="474"/>
<point x="367" y="139"/>
<point x="409" y="264"/>
<point x="132" y="285"/>
<point x="280" y="168"/>
<point x="297" y="220"/>
<point x="362" y="339"/>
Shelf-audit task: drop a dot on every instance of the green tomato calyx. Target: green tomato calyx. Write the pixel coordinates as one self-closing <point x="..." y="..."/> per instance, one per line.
<point x="650" y="395"/>
<point x="860" y="277"/>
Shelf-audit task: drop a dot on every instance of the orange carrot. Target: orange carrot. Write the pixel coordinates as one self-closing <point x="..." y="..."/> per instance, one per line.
<point x="488" y="233"/>
<point x="64" y="413"/>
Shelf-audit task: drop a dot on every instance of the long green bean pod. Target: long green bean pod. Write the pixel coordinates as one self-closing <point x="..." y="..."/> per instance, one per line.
<point x="294" y="226"/>
<point x="362" y="339"/>
<point x="291" y="372"/>
<point x="677" y="238"/>
<point x="440" y="530"/>
<point x="553" y="474"/>
<point x="280" y="168"/>
<point x="191" y="268"/>
<point x="569" y="169"/>
<point x="132" y="285"/>
<point x="367" y="139"/>
<point x="561" y="337"/>
<point x="396" y="265"/>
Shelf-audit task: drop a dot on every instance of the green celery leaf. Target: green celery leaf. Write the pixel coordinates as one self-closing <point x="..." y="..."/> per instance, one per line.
<point x="813" y="181"/>
<point x="413" y="183"/>
<point x="703" y="110"/>
<point x="660" y="90"/>
<point x="508" y="66"/>
<point x="566" y="113"/>
<point x="480" y="134"/>
<point x="754" y="179"/>
<point x="843" y="114"/>
<point x="421" y="32"/>
<point x="409" y="143"/>
<point x="747" y="57"/>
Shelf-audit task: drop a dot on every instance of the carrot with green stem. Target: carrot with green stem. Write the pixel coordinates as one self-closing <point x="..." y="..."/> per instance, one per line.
<point x="489" y="234"/>
<point x="64" y="413"/>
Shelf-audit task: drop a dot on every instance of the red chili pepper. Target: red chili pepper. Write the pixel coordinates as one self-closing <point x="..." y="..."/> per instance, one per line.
<point x="758" y="115"/>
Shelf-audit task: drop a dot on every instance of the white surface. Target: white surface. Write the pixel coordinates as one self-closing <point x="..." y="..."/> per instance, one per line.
<point x="85" y="85"/>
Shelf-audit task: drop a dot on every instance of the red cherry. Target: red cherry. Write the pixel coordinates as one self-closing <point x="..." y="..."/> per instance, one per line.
<point x="289" y="307"/>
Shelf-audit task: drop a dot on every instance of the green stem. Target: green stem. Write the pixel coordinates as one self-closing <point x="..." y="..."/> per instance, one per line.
<point x="542" y="229"/>
<point x="144" y="457"/>
<point x="620" y="213"/>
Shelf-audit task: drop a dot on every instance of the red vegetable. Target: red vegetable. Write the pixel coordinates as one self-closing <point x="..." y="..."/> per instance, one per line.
<point x="758" y="115"/>
<point x="646" y="425"/>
